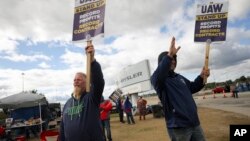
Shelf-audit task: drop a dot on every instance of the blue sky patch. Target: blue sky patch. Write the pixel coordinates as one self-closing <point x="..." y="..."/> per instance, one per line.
<point x="109" y="40"/>
<point x="163" y="29"/>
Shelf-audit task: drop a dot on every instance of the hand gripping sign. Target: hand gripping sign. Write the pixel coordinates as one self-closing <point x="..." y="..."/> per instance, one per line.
<point x="88" y="23"/>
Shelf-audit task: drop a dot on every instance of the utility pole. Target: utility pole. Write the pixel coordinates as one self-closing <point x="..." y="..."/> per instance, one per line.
<point x="23" y="81"/>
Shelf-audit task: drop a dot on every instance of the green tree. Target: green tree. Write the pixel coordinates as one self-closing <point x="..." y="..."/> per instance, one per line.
<point x="34" y="91"/>
<point x="229" y="82"/>
<point x="243" y="78"/>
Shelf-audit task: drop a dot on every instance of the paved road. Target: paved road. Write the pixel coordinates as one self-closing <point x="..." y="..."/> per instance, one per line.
<point x="237" y="105"/>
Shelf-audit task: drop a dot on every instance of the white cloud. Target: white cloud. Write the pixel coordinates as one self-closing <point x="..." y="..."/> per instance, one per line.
<point x="73" y="59"/>
<point x="7" y="45"/>
<point x="45" y="81"/>
<point x="44" y="65"/>
<point x="23" y="58"/>
<point x="239" y="9"/>
<point x="137" y="22"/>
<point x="37" y="20"/>
<point x="137" y="15"/>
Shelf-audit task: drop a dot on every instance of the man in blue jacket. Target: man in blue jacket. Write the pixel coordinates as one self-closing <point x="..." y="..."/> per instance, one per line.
<point x="81" y="115"/>
<point x="175" y="93"/>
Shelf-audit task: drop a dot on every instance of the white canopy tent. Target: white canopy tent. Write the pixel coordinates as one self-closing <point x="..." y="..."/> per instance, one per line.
<point x="23" y="100"/>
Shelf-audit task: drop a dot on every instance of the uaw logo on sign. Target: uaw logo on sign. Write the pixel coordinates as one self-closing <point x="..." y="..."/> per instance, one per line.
<point x="239" y="132"/>
<point x="211" y="22"/>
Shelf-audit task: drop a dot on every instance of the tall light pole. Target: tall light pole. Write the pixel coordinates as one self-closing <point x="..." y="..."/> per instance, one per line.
<point x="23" y="80"/>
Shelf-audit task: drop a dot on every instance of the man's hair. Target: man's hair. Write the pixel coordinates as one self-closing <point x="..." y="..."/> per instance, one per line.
<point x="165" y="53"/>
<point x="83" y="74"/>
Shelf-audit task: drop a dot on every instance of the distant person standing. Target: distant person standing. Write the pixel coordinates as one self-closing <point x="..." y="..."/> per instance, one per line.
<point x="235" y="92"/>
<point x="119" y="107"/>
<point x="175" y="92"/>
<point x="141" y="106"/>
<point x="105" y="108"/>
<point x="248" y="86"/>
<point x="128" y="110"/>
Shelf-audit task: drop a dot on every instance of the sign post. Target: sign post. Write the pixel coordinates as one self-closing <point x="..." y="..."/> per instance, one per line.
<point x="88" y="23"/>
<point x="89" y="59"/>
<point x="206" y="59"/>
<point x="210" y="26"/>
<point x="211" y="22"/>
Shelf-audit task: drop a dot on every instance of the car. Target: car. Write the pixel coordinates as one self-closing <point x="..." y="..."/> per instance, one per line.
<point x="218" y="90"/>
<point x="113" y="110"/>
<point x="149" y="109"/>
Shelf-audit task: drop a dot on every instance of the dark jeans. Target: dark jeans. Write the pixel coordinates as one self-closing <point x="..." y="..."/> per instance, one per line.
<point x="33" y="129"/>
<point x="45" y="124"/>
<point x="130" y="118"/>
<point x="235" y="94"/>
<point x="121" y="115"/>
<point x="106" y="126"/>
<point x="186" y="134"/>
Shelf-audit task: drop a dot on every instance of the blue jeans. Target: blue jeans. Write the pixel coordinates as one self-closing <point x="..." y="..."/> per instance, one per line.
<point x="106" y="125"/>
<point x="130" y="118"/>
<point x="186" y="134"/>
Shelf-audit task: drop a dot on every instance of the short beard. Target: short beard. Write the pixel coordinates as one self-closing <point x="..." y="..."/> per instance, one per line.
<point x="77" y="92"/>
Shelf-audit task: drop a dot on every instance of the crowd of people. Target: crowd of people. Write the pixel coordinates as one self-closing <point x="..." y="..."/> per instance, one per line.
<point x="86" y="115"/>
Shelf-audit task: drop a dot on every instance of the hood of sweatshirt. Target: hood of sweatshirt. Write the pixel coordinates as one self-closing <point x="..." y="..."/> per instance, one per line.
<point x="76" y="106"/>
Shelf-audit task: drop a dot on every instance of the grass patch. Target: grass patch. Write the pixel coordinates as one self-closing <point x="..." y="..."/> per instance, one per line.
<point x="215" y="124"/>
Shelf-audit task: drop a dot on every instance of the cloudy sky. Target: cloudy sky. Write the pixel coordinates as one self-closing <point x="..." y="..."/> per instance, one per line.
<point x="35" y="40"/>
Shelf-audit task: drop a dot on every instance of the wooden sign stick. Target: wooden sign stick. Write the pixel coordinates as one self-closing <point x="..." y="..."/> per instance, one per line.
<point x="206" y="59"/>
<point x="89" y="59"/>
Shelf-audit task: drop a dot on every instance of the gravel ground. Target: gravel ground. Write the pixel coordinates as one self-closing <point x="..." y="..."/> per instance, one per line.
<point x="239" y="105"/>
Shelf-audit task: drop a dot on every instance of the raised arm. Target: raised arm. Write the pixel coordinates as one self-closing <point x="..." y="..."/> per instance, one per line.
<point x="164" y="65"/>
<point x="198" y="83"/>
<point x="97" y="81"/>
<point x="161" y="72"/>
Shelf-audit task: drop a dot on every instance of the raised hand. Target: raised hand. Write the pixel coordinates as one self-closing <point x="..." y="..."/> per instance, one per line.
<point x="172" y="49"/>
<point x="90" y="49"/>
<point x="205" y="73"/>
